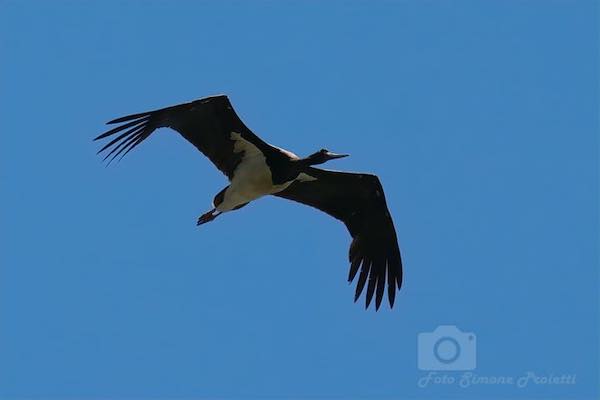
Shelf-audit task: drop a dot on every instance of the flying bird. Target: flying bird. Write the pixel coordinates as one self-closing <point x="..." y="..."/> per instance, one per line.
<point x="256" y="168"/>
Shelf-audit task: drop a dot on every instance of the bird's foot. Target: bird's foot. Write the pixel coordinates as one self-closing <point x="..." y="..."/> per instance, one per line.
<point x="207" y="217"/>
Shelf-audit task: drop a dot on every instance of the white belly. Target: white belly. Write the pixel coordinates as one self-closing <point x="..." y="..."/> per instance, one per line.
<point x="251" y="179"/>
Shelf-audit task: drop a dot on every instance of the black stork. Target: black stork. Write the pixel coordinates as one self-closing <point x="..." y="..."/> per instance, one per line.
<point x="256" y="168"/>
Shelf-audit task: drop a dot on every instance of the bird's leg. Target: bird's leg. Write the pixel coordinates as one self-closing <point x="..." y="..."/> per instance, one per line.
<point x="209" y="216"/>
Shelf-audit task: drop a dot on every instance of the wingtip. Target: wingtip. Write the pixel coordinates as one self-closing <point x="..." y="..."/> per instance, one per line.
<point x="375" y="287"/>
<point x="391" y="296"/>
<point x="368" y="300"/>
<point x="377" y="303"/>
<point x="103" y="135"/>
<point x="139" y="116"/>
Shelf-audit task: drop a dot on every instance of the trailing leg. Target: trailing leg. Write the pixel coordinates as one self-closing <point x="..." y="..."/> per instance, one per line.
<point x="209" y="216"/>
<point x="219" y="207"/>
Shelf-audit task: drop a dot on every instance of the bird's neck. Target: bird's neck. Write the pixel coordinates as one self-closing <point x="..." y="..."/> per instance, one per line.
<point x="313" y="159"/>
<point x="293" y="169"/>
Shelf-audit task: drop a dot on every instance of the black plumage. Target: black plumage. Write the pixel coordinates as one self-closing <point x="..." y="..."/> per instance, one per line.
<point x="359" y="202"/>
<point x="356" y="199"/>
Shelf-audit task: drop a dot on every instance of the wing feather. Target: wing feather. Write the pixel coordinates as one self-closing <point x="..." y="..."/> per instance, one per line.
<point x="359" y="202"/>
<point x="206" y="123"/>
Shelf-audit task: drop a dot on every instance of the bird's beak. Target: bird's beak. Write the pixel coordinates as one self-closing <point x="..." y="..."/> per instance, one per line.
<point x="334" y="155"/>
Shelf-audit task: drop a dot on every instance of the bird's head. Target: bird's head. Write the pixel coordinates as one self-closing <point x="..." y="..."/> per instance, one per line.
<point x="324" y="155"/>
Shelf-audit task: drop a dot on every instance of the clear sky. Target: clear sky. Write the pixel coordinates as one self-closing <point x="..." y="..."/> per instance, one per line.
<point x="481" y="119"/>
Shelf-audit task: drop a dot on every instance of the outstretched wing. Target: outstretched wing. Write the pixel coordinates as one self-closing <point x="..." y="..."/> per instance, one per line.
<point x="206" y="123"/>
<point x="359" y="202"/>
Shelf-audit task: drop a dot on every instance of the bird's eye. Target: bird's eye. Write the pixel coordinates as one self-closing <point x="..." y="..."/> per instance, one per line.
<point x="323" y="151"/>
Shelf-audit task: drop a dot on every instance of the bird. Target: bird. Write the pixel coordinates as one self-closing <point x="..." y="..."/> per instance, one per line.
<point x="256" y="168"/>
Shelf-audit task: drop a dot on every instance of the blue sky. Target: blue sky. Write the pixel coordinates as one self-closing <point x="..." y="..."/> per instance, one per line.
<point x="481" y="119"/>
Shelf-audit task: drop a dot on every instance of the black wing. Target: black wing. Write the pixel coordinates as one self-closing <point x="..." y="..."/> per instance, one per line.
<point x="206" y="123"/>
<point x="359" y="202"/>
